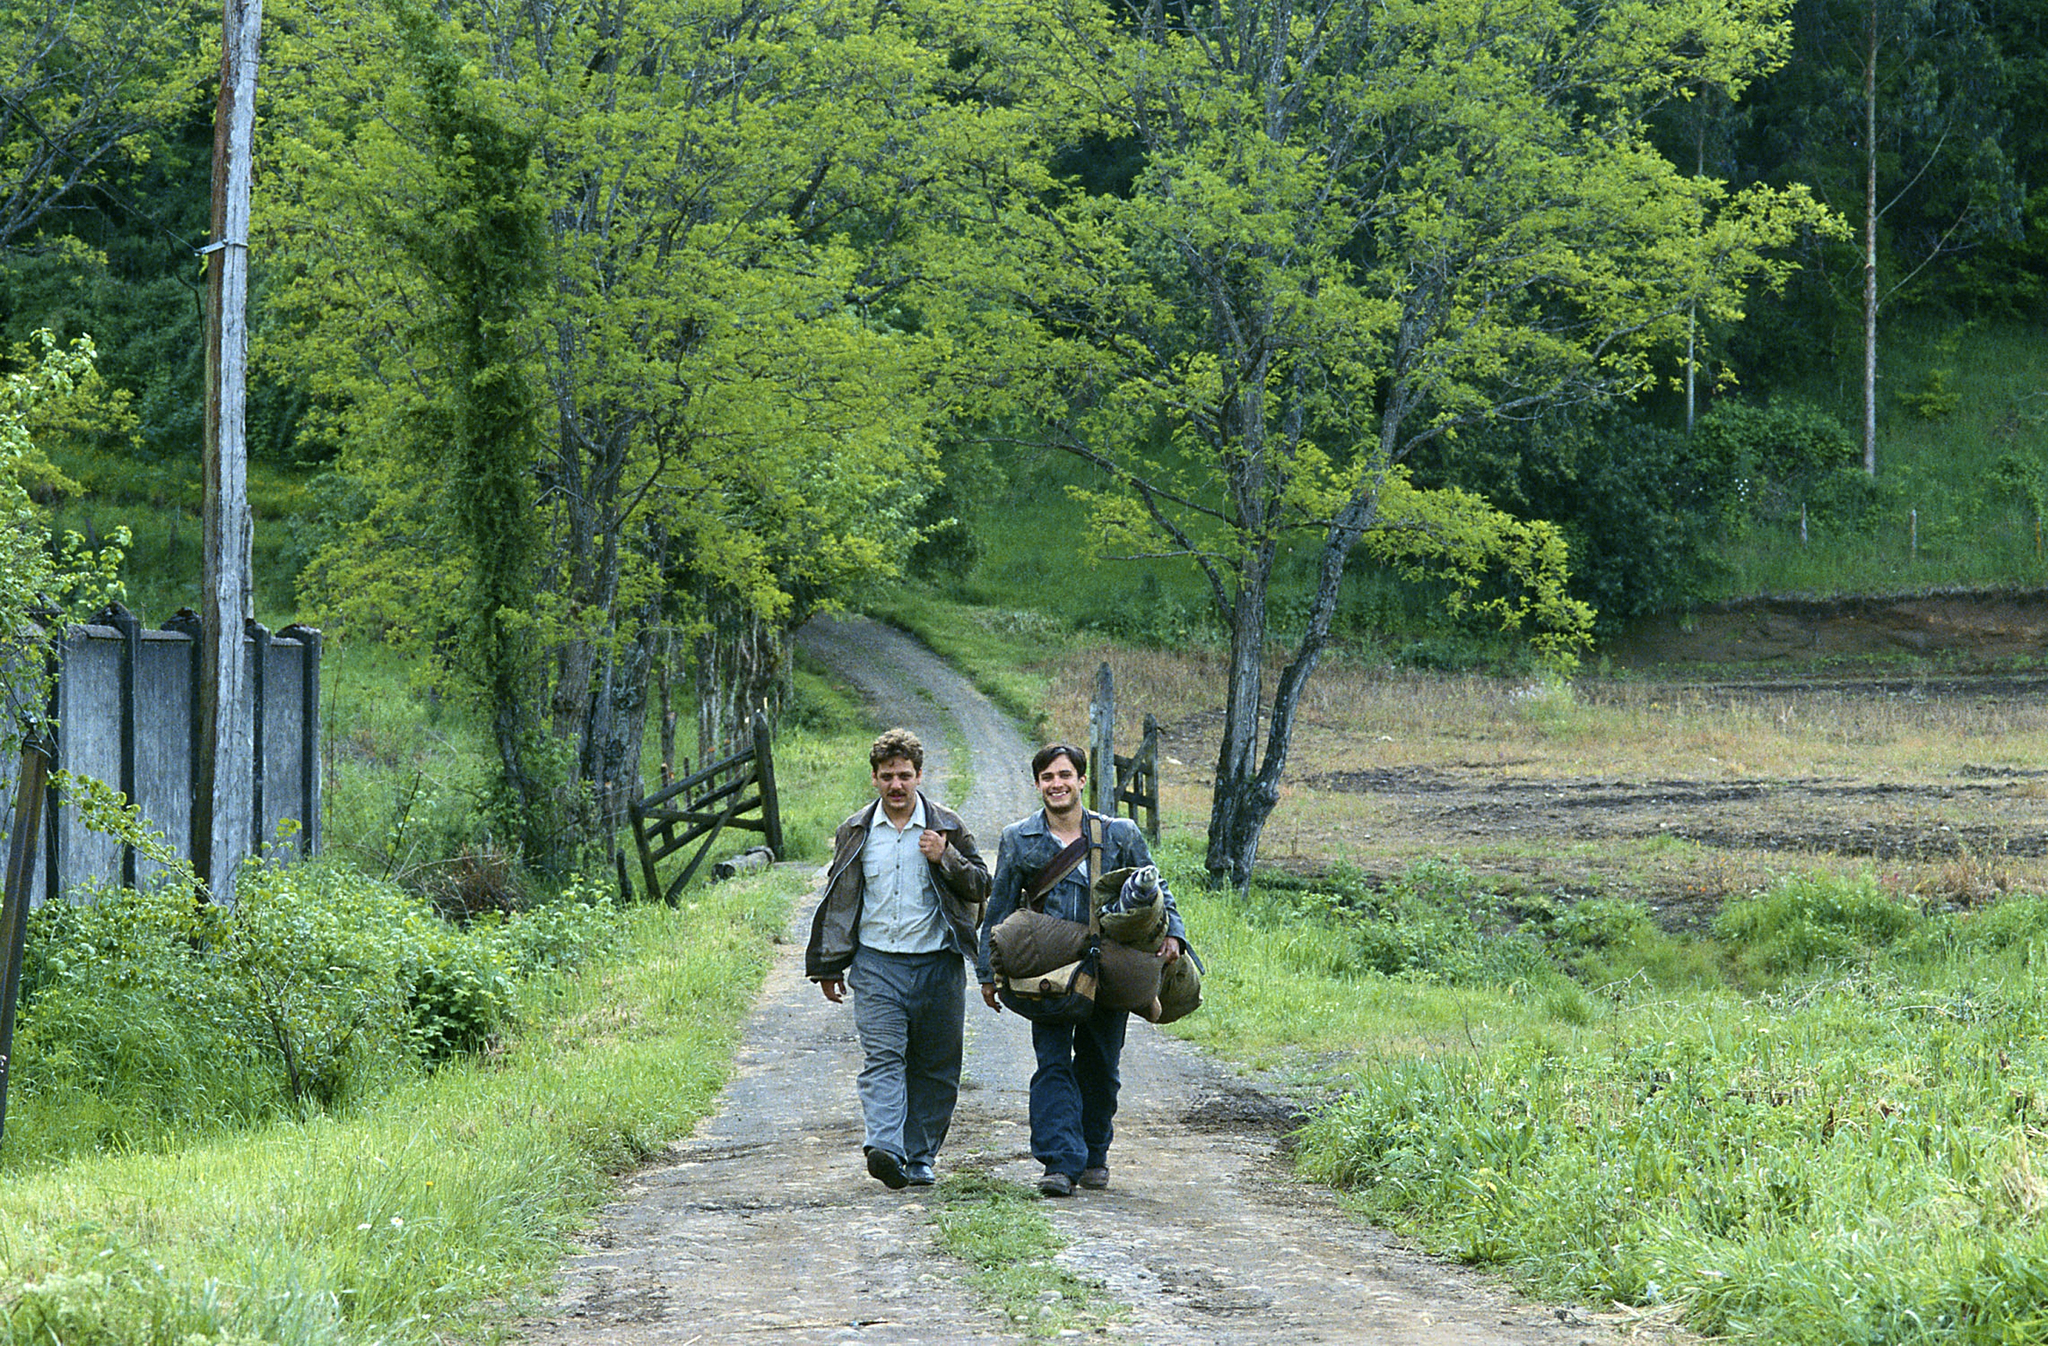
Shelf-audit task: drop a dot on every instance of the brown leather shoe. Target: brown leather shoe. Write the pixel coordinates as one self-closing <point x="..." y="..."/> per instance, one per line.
<point x="1095" y="1179"/>
<point x="1056" y="1184"/>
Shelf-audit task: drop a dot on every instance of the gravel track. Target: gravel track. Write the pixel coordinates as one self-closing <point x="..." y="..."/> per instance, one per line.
<point x="764" y="1227"/>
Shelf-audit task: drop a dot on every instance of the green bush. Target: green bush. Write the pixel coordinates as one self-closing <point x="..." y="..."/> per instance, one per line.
<point x="1599" y="923"/>
<point x="120" y="1038"/>
<point x="145" y="1013"/>
<point x="1809" y="921"/>
<point x="2019" y="921"/>
<point x="1429" y="925"/>
<point x="1784" y="440"/>
<point x="317" y="964"/>
<point x="2021" y="478"/>
<point x="1848" y="498"/>
<point x="560" y="935"/>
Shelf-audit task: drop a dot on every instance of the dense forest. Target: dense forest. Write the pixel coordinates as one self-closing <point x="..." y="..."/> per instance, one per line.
<point x="611" y="341"/>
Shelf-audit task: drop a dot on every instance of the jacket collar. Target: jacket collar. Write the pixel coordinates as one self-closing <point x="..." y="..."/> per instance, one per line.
<point x="1036" y="824"/>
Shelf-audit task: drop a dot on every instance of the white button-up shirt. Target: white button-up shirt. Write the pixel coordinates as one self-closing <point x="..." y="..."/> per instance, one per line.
<point x="900" y="908"/>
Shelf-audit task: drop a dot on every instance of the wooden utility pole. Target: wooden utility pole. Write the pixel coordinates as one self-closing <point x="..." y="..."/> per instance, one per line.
<point x="223" y="828"/>
<point x="1870" y="243"/>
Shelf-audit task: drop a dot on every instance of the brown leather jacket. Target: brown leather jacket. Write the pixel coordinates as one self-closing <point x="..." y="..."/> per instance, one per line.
<point x="960" y="875"/>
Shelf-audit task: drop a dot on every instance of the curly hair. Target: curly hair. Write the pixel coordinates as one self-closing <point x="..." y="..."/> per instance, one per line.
<point x="893" y="744"/>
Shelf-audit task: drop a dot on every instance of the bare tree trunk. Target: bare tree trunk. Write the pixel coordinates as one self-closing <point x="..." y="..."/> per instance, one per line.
<point x="1240" y="803"/>
<point x="665" y="675"/>
<point x="742" y="666"/>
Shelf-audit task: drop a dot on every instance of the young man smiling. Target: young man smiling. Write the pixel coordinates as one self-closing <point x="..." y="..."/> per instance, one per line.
<point x="896" y="921"/>
<point x="1074" y="1089"/>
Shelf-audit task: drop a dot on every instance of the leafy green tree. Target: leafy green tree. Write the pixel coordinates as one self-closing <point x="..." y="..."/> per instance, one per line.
<point x="1358" y="229"/>
<point x="104" y="136"/>
<point x="40" y="580"/>
<point x="86" y="89"/>
<point x="738" y="390"/>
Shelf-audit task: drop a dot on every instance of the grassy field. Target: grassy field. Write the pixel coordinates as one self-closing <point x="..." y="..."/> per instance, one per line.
<point x="1752" y="1083"/>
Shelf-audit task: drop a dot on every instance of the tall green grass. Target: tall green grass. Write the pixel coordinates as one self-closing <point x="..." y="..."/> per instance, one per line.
<point x="399" y="1220"/>
<point x="1819" y="1126"/>
<point x="1953" y="513"/>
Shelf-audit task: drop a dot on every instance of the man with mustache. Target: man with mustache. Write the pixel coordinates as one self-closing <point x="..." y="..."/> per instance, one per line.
<point x="896" y="922"/>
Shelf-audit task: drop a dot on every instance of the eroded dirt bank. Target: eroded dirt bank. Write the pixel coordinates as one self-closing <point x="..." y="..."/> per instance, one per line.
<point x="1957" y="631"/>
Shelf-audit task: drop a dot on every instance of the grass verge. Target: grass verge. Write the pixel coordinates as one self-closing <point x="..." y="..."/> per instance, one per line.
<point x="395" y="1222"/>
<point x="999" y="1229"/>
<point x="1816" y="1125"/>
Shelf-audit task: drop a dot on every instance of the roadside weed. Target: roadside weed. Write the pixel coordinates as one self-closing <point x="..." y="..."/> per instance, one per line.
<point x="999" y="1229"/>
<point x="1843" y="1142"/>
<point x="400" y="1219"/>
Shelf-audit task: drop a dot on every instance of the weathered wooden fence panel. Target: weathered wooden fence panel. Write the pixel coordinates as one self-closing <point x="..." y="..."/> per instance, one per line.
<point x="126" y="710"/>
<point x="1137" y="780"/>
<point x="1133" y="780"/>
<point x="703" y="804"/>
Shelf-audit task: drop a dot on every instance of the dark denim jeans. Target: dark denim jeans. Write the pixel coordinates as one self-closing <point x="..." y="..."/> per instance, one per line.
<point x="908" y="1010"/>
<point x="1073" y="1091"/>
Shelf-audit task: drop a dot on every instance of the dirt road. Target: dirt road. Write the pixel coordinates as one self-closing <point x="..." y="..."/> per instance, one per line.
<point x="764" y="1227"/>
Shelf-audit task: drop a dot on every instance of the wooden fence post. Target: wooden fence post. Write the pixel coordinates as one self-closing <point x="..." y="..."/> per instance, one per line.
<point x="1102" y="743"/>
<point x="21" y="867"/>
<point x="764" y="776"/>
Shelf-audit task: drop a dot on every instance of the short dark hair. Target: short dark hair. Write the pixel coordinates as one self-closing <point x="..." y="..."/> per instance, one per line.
<point x="1044" y="757"/>
<point x="896" y="743"/>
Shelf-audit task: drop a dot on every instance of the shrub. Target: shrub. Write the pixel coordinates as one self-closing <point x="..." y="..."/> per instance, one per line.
<point x="146" y="1012"/>
<point x="121" y="1038"/>
<point x="1784" y="440"/>
<point x="2019" y="921"/>
<point x="1426" y="926"/>
<point x="560" y="935"/>
<point x="1847" y="497"/>
<point x="2020" y="477"/>
<point x="1809" y="921"/>
<point x="1598" y="923"/>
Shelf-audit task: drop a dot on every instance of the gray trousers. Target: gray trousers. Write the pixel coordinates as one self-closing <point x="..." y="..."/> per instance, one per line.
<point x="910" y="1012"/>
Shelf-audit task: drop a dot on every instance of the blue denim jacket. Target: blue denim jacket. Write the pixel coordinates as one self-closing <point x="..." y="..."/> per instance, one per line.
<point x="1026" y="847"/>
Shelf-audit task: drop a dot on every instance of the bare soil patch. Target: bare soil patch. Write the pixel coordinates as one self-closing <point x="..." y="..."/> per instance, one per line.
<point x="1906" y="738"/>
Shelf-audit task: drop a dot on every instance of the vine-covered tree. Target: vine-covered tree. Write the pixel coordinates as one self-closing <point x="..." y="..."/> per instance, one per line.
<point x="1357" y="228"/>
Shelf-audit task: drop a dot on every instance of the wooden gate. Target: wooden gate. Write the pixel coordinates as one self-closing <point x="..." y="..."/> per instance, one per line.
<point x="1134" y="780"/>
<point x="738" y="791"/>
